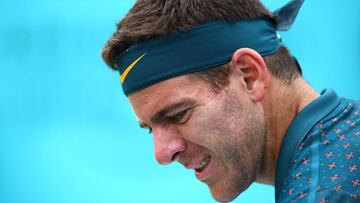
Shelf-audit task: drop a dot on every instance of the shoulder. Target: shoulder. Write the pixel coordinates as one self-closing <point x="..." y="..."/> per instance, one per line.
<point x="326" y="167"/>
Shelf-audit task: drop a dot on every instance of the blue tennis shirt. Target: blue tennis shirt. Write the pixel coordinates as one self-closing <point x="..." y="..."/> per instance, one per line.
<point x="319" y="157"/>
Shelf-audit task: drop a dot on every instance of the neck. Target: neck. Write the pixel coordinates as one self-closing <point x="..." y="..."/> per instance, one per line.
<point x="281" y="105"/>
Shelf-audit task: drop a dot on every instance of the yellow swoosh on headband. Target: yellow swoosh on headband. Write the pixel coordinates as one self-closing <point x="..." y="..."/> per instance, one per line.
<point x="128" y="69"/>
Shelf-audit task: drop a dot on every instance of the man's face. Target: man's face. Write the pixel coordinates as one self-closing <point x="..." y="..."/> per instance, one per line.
<point x="219" y="136"/>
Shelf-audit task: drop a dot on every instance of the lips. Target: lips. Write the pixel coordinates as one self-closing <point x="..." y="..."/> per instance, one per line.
<point x="199" y="168"/>
<point x="204" y="171"/>
<point x="203" y="168"/>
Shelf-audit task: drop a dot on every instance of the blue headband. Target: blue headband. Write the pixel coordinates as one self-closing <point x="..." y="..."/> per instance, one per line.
<point x="200" y="48"/>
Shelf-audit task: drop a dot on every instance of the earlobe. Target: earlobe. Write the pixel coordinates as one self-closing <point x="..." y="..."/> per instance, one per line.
<point x="253" y="72"/>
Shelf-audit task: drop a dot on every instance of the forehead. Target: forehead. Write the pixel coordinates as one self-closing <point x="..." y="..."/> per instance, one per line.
<point x="166" y="92"/>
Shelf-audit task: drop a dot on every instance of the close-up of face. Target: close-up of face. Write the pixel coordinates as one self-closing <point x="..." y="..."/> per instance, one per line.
<point x="218" y="135"/>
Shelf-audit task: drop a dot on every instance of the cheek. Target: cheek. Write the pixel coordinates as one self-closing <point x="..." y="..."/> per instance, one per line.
<point x="200" y="129"/>
<point x="233" y="131"/>
<point x="207" y="129"/>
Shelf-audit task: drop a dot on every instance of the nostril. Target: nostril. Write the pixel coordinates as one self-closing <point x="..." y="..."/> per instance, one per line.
<point x="175" y="156"/>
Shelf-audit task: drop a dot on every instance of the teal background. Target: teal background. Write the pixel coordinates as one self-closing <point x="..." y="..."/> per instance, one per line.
<point x="67" y="133"/>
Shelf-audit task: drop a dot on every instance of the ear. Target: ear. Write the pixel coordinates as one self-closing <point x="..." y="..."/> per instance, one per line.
<point x="248" y="66"/>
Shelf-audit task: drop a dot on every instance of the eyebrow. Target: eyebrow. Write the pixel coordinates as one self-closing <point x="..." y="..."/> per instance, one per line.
<point x="160" y="116"/>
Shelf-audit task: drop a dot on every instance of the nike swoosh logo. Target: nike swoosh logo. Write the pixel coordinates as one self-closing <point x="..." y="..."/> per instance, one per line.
<point x="128" y="69"/>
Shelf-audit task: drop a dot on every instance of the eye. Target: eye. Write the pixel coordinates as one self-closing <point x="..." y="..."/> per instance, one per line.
<point x="150" y="130"/>
<point x="180" y="117"/>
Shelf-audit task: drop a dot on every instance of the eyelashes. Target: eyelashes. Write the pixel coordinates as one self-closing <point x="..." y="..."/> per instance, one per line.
<point x="180" y="117"/>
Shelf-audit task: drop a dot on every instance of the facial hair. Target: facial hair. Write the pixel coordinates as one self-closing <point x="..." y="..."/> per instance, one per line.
<point x="238" y="133"/>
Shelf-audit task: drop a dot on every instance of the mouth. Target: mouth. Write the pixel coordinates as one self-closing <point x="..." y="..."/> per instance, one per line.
<point x="202" y="166"/>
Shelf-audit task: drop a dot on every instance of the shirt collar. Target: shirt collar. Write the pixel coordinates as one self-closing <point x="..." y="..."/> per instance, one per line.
<point x="298" y="129"/>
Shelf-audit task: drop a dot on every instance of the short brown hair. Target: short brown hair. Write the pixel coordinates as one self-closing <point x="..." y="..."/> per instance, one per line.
<point x="152" y="18"/>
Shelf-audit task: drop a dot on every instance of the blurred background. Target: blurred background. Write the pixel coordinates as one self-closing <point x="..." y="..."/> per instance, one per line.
<point x="67" y="132"/>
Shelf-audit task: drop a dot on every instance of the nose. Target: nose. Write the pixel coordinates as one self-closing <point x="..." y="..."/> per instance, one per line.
<point x="167" y="146"/>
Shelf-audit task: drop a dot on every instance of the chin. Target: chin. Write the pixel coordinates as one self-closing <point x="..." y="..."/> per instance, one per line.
<point x="224" y="195"/>
<point x="227" y="190"/>
<point x="222" y="198"/>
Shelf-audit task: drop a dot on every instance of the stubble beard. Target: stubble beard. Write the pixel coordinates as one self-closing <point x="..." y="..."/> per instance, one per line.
<point x="243" y="148"/>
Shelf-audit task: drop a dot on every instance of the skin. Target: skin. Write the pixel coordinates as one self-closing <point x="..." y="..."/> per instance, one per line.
<point x="240" y="129"/>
